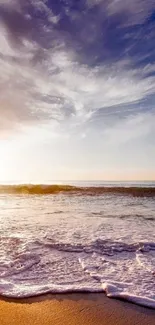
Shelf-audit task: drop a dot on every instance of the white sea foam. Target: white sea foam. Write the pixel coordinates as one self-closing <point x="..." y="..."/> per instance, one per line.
<point x="93" y="244"/>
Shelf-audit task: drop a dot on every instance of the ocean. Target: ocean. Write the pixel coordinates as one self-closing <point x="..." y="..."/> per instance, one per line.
<point x="78" y="237"/>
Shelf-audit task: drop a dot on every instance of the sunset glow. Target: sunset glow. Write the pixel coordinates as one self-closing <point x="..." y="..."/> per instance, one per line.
<point x="77" y="105"/>
<point x="77" y="162"/>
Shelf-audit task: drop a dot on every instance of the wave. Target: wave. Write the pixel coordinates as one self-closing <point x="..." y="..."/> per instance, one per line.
<point x="100" y="246"/>
<point x="42" y="189"/>
<point x="121" y="270"/>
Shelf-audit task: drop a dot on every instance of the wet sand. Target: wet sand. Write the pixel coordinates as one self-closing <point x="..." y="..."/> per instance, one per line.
<point x="73" y="309"/>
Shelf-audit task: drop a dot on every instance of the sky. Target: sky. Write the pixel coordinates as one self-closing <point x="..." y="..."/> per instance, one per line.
<point x="77" y="90"/>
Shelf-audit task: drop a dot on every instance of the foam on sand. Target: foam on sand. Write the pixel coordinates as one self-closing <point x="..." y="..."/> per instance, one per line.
<point x="111" y="267"/>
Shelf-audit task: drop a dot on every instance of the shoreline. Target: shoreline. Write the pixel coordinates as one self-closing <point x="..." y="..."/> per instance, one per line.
<point x="73" y="309"/>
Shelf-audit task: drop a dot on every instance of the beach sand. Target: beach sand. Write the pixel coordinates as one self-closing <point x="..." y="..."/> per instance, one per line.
<point x="70" y="309"/>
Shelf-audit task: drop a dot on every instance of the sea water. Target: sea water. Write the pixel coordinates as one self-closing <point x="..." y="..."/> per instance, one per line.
<point x="71" y="241"/>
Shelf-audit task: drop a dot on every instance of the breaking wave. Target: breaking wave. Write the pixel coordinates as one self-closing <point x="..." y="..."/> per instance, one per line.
<point x="41" y="189"/>
<point x="88" y="238"/>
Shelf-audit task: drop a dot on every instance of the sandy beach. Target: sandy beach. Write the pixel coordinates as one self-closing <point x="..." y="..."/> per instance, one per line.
<point x="70" y="309"/>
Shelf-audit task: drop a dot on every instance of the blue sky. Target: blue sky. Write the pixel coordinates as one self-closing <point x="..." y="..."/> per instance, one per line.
<point x="77" y="89"/>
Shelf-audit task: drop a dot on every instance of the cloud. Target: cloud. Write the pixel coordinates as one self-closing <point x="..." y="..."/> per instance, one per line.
<point x="49" y="71"/>
<point x="133" y="128"/>
<point x="134" y="11"/>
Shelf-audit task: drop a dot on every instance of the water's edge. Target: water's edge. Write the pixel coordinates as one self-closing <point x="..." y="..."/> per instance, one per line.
<point x="58" y="239"/>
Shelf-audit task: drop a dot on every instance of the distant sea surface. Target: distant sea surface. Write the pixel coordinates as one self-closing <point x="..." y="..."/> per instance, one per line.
<point x="78" y="236"/>
<point x="86" y="183"/>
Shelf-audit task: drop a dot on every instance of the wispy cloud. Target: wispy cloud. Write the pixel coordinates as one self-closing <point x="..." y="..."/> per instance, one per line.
<point x="139" y="126"/>
<point x="134" y="11"/>
<point x="44" y="74"/>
